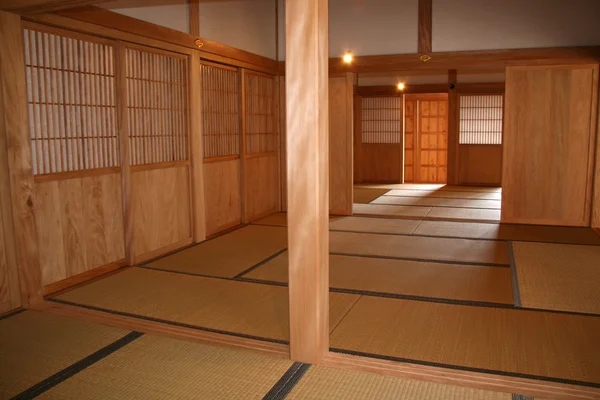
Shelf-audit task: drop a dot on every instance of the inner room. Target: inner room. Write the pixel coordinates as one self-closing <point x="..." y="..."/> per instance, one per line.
<point x="319" y="199"/>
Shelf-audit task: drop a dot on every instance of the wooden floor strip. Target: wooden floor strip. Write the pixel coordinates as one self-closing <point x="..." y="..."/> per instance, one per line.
<point x="218" y="305"/>
<point x="536" y="345"/>
<point x="418" y="279"/>
<point x="215" y="257"/>
<point x="561" y="277"/>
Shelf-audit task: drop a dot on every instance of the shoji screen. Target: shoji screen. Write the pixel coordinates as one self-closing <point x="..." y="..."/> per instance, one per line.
<point x="158" y="128"/>
<point x="380" y="149"/>
<point x="261" y="160"/>
<point x="75" y="151"/>
<point x="221" y="125"/>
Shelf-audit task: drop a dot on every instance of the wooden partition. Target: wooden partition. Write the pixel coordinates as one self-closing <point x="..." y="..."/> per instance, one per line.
<point x="260" y="143"/>
<point x="549" y="144"/>
<point x="159" y="155"/>
<point x="221" y="125"/>
<point x="378" y="139"/>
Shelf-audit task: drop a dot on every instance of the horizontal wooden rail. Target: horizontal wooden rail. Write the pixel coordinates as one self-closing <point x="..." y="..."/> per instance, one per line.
<point x="208" y="160"/>
<point x="162" y="165"/>
<point x="59" y="176"/>
<point x="260" y="155"/>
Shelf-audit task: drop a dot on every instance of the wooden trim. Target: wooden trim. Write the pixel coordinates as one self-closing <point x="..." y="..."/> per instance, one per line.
<point x="256" y="217"/>
<point x="160" y="52"/>
<point x="425" y="24"/>
<point x="390" y="90"/>
<point x="466" y="59"/>
<point x="142" y="258"/>
<point x="218" y="65"/>
<point x="595" y="220"/>
<point x="480" y="88"/>
<point x="59" y="176"/>
<point x="84" y="277"/>
<point x="593" y="197"/>
<point x="225" y="228"/>
<point x="233" y="62"/>
<point x="208" y="160"/>
<point x="14" y="129"/>
<point x="161" y="165"/>
<point x="446" y="376"/>
<point x="67" y="33"/>
<point x="194" y="15"/>
<point x="242" y="120"/>
<point x="453" y="154"/>
<point x="177" y="332"/>
<point x="307" y="101"/>
<point x="195" y="116"/>
<point x="357" y="161"/>
<point x="109" y="19"/>
<point x="260" y="155"/>
<point x="42" y="6"/>
<point x="351" y="81"/>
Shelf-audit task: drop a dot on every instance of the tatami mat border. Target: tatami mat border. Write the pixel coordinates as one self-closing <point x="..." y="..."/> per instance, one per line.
<point x="266" y="260"/>
<point x="472" y="263"/>
<point x="439" y="197"/>
<point x="437" y="206"/>
<point x="464" y="368"/>
<point x="513" y="275"/>
<point x="287" y="382"/>
<point x="11" y="313"/>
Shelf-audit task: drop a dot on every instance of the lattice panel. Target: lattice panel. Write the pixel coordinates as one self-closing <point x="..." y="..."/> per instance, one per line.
<point x="381" y="119"/>
<point x="71" y="95"/>
<point x="157" y="87"/>
<point x="481" y="119"/>
<point x="261" y="136"/>
<point x="220" y="110"/>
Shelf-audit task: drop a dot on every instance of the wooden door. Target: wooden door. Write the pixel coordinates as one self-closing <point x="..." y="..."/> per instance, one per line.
<point x="426" y="148"/>
<point x="549" y="137"/>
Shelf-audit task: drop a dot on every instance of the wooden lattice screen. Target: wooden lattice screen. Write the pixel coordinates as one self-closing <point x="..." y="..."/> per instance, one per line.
<point x="220" y="111"/>
<point x="261" y="136"/>
<point x="70" y="90"/>
<point x="381" y="119"/>
<point x="481" y="119"/>
<point x="157" y="106"/>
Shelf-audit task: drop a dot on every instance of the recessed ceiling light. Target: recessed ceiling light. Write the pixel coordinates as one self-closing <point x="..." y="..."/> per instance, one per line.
<point x="400" y="86"/>
<point x="347" y="58"/>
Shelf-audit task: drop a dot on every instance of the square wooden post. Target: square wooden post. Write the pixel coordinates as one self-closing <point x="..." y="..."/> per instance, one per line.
<point x="307" y="100"/>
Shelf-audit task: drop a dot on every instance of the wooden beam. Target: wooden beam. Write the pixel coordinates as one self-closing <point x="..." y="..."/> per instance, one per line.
<point x="390" y="90"/>
<point x="197" y="149"/>
<point x="307" y="101"/>
<point x="424" y="41"/>
<point x="194" y="13"/>
<point x="452" y="172"/>
<point x="14" y="128"/>
<point x="43" y="6"/>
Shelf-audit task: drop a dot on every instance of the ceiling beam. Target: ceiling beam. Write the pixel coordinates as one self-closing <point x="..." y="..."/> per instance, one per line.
<point x="425" y="13"/>
<point x="42" y="6"/>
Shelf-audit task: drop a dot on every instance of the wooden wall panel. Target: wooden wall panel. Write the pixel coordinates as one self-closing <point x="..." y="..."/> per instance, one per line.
<point x="222" y="195"/>
<point x="261" y="186"/>
<point x="480" y="164"/>
<point x="341" y="121"/>
<point x="596" y="194"/>
<point x="549" y="141"/>
<point x="161" y="210"/>
<point x="9" y="282"/>
<point x="432" y="141"/>
<point x="381" y="162"/>
<point x="80" y="225"/>
<point x="410" y="137"/>
<point x="282" y="142"/>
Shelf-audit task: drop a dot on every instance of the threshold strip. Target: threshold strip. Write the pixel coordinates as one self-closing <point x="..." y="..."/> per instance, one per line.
<point x="286" y="383"/>
<point x="77" y="367"/>
<point x="513" y="276"/>
<point x="11" y="314"/>
<point x="464" y="368"/>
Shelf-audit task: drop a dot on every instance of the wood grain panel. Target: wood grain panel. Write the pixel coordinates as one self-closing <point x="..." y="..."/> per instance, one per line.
<point x="425" y="24"/>
<point x="410" y="136"/>
<point x="80" y="225"/>
<point x="381" y="162"/>
<point x="432" y="148"/>
<point x="161" y="209"/>
<point x="261" y="186"/>
<point x="480" y="164"/>
<point x="222" y="195"/>
<point x="548" y="144"/>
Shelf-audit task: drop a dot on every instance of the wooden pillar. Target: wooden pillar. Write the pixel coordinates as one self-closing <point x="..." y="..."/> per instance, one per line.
<point x="425" y="24"/>
<point x="14" y="130"/>
<point x="307" y="108"/>
<point x="194" y="13"/>
<point x="452" y="129"/>
<point x="196" y="153"/>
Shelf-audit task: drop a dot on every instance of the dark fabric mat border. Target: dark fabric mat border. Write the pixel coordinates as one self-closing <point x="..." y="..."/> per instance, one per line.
<point x="77" y="367"/>
<point x="513" y="276"/>
<point x="12" y="313"/>
<point x="482" y="264"/>
<point x="463" y="368"/>
<point x="287" y="382"/>
<point x="168" y="322"/>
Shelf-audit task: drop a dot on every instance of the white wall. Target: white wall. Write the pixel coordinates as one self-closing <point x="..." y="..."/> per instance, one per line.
<point x="170" y="13"/>
<point x="510" y="24"/>
<point x="246" y="24"/>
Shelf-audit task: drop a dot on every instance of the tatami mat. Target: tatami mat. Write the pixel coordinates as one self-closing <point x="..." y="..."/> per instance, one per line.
<point x="430" y="187"/>
<point x="508" y="232"/>
<point x="417" y="247"/>
<point x="154" y="367"/>
<point x="277" y="219"/>
<point x="395" y="211"/>
<point x="35" y="346"/>
<point x="236" y="307"/>
<point x="543" y="344"/>
<point x="365" y="195"/>
<point x="375" y="225"/>
<point x="448" y="281"/>
<point x="329" y="383"/>
<point x="459" y="194"/>
<point x="561" y="277"/>
<point x="438" y="202"/>
<point x="475" y="214"/>
<point x="215" y="257"/>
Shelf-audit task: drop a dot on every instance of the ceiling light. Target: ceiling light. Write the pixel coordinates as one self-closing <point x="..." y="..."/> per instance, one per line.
<point x="400" y="86"/>
<point x="347" y="58"/>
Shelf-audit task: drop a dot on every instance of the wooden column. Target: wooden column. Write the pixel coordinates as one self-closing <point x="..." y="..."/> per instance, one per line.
<point x="14" y="129"/>
<point x="197" y="165"/>
<point x="425" y="14"/>
<point x="194" y="14"/>
<point x="307" y="101"/>
<point x="452" y="129"/>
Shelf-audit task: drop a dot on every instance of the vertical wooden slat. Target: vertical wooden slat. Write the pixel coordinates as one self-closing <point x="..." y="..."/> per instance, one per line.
<point x="195" y="132"/>
<point x="452" y="129"/>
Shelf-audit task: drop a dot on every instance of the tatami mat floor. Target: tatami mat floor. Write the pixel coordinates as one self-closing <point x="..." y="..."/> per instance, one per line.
<point x="53" y="357"/>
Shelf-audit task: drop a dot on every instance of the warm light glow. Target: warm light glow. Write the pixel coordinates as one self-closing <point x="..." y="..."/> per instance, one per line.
<point x="347" y="58"/>
<point x="400" y="86"/>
